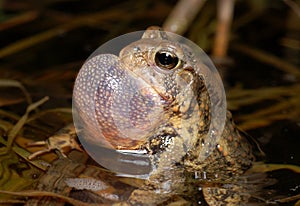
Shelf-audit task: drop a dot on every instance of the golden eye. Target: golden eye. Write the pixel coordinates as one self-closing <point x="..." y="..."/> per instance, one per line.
<point x="166" y="59"/>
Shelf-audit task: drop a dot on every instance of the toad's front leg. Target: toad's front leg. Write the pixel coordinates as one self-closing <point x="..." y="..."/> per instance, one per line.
<point x="63" y="141"/>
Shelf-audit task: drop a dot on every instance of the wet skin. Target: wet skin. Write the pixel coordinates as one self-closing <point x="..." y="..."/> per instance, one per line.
<point x="171" y="118"/>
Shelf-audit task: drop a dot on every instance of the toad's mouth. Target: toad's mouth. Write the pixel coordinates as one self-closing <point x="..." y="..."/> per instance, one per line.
<point x="153" y="86"/>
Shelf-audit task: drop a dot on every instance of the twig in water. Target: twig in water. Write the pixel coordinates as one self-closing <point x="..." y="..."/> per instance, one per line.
<point x="225" y="14"/>
<point x="269" y="59"/>
<point x="295" y="7"/>
<point x="182" y="15"/>
<point x="18" y="126"/>
<point x="14" y="83"/>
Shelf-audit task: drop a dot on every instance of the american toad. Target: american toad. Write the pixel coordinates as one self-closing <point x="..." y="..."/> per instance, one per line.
<point x="158" y="101"/>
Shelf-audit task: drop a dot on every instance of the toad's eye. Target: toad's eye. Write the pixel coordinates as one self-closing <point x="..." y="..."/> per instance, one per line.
<point x="166" y="59"/>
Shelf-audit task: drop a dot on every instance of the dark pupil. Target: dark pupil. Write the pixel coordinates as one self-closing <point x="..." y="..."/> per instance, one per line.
<point x="166" y="59"/>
